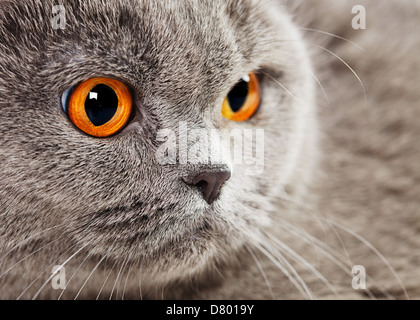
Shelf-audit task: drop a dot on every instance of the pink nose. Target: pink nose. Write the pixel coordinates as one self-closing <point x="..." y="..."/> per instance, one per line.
<point x="209" y="183"/>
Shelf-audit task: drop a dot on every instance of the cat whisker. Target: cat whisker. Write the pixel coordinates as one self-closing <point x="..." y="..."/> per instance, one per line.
<point x="94" y="269"/>
<point x="321" y="221"/>
<point x="313" y="75"/>
<point x="335" y="257"/>
<point x="73" y="275"/>
<point x="30" y="285"/>
<point x="330" y="253"/>
<point x="327" y="249"/>
<point x="347" y="65"/>
<point x="62" y="265"/>
<point x="284" y="197"/>
<point x="29" y="255"/>
<point x="374" y="249"/>
<point x="122" y="273"/>
<point x="126" y="280"/>
<point x="139" y="279"/>
<point x="39" y="276"/>
<point x="340" y="239"/>
<point x="261" y="270"/>
<point x="162" y="296"/>
<point x="263" y="4"/>
<point x="28" y="239"/>
<point x="281" y="257"/>
<point x="321" y="86"/>
<point x="336" y="56"/>
<point x="334" y="36"/>
<point x="89" y="276"/>
<point x="106" y="279"/>
<point x="117" y="278"/>
<point x="368" y="278"/>
<point x="282" y="86"/>
<point x="304" y="262"/>
<point x="282" y="269"/>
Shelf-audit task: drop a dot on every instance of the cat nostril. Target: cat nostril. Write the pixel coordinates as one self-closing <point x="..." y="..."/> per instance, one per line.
<point x="209" y="183"/>
<point x="202" y="185"/>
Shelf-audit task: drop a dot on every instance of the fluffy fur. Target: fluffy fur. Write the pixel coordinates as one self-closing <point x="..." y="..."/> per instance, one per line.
<point x="128" y="227"/>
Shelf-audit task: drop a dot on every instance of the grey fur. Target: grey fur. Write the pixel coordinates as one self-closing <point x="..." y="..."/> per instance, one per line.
<point x="157" y="236"/>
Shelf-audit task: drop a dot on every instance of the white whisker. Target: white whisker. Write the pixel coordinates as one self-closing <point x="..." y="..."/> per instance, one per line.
<point x="282" y="258"/>
<point x="330" y="253"/>
<point x="347" y="65"/>
<point x="28" y="239"/>
<point x="126" y="280"/>
<point x="326" y="250"/>
<point x="304" y="262"/>
<point x="26" y="257"/>
<point x="106" y="279"/>
<point x="376" y="251"/>
<point x="116" y="280"/>
<point x="65" y="262"/>
<point x="73" y="275"/>
<point x="139" y="280"/>
<point x="321" y="86"/>
<point x="282" y="269"/>
<point x="39" y="276"/>
<point x="89" y="276"/>
<point x="261" y="270"/>
<point x="283" y="87"/>
<point x="335" y="36"/>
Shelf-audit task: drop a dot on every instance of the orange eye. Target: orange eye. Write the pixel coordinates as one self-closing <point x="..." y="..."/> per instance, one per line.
<point x="243" y="100"/>
<point x="100" y="107"/>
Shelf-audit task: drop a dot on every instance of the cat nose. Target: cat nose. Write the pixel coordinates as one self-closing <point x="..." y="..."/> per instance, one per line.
<point x="209" y="183"/>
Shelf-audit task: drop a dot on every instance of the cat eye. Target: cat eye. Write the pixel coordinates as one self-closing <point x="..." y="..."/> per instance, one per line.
<point x="99" y="107"/>
<point x="243" y="100"/>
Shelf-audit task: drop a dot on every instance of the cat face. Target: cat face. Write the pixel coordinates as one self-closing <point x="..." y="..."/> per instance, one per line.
<point x="112" y="196"/>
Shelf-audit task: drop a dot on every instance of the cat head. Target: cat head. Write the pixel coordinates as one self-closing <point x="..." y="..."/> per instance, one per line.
<point x="114" y="196"/>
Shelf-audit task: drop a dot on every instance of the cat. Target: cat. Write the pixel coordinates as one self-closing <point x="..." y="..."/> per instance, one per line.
<point x="96" y="218"/>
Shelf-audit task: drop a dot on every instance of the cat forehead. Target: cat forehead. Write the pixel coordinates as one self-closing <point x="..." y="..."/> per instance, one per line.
<point x="206" y="43"/>
<point x="214" y="30"/>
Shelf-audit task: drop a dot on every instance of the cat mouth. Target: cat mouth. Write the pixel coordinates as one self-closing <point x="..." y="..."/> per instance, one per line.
<point x="197" y="232"/>
<point x="143" y="223"/>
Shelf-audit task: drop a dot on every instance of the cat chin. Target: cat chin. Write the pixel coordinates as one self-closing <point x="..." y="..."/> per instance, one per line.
<point x="192" y="262"/>
<point x="191" y="253"/>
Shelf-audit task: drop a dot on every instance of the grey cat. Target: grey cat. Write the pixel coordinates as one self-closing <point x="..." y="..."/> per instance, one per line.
<point x="338" y="192"/>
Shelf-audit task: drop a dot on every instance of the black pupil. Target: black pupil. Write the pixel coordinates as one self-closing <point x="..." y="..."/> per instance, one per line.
<point x="238" y="95"/>
<point x="101" y="104"/>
